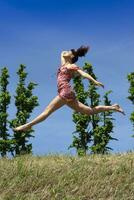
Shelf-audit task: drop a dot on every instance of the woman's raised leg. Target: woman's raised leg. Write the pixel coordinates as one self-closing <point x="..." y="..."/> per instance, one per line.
<point x="55" y="104"/>
<point x="80" y="107"/>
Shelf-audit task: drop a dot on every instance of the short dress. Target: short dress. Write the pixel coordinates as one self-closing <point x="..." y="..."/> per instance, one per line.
<point x="64" y="75"/>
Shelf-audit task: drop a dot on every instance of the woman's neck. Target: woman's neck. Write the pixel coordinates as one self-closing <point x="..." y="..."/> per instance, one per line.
<point x="67" y="63"/>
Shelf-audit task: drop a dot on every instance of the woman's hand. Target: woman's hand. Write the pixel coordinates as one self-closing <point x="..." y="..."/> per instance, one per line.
<point x="99" y="84"/>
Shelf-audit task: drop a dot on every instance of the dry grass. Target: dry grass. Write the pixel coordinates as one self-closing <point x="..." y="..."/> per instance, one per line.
<point x="58" y="177"/>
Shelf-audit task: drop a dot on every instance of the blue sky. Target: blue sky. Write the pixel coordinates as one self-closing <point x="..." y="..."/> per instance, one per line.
<point x="34" y="32"/>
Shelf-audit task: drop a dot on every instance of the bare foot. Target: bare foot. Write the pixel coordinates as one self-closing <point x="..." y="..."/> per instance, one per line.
<point x="24" y="127"/>
<point x="118" y="108"/>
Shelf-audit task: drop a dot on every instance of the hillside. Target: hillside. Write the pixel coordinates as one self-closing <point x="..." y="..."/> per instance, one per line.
<point x="63" y="177"/>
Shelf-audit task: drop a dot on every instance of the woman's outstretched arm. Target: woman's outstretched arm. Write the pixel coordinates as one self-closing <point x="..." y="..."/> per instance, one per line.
<point x="86" y="75"/>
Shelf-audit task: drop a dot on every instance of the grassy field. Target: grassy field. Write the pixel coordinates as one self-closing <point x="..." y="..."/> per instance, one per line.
<point x="58" y="177"/>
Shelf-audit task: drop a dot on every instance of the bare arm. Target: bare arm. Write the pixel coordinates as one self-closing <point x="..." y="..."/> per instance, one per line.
<point x="86" y="75"/>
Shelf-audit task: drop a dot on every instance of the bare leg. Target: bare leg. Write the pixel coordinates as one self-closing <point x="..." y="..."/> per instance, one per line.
<point x="80" y="107"/>
<point x="55" y="104"/>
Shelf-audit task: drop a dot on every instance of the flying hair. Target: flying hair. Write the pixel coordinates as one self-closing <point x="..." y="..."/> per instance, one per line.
<point x="79" y="52"/>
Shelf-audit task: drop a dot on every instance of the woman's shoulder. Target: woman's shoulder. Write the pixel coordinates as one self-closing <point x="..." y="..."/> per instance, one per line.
<point x="73" y="67"/>
<point x="70" y="67"/>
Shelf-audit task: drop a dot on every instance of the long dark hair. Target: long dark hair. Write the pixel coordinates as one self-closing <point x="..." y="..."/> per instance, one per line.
<point x="79" y="52"/>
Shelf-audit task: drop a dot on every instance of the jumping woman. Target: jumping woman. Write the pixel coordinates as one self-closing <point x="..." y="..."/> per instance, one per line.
<point x="66" y="95"/>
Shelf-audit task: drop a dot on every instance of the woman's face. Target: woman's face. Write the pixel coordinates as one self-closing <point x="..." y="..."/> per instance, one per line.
<point x="67" y="54"/>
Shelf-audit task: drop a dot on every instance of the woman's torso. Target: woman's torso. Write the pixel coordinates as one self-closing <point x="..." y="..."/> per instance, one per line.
<point x="64" y="76"/>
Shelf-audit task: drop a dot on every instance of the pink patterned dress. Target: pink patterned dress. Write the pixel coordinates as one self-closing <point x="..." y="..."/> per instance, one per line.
<point x="64" y="76"/>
